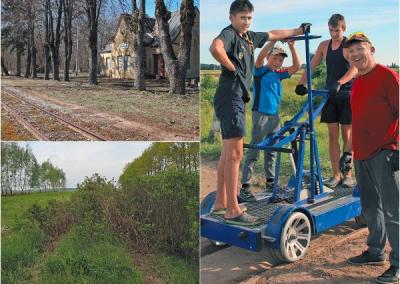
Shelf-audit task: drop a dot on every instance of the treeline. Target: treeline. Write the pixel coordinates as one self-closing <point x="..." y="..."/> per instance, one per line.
<point x="204" y="66"/>
<point x="161" y="157"/>
<point x="20" y="171"/>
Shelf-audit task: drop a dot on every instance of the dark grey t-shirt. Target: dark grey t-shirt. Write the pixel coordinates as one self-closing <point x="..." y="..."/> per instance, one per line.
<point x="241" y="53"/>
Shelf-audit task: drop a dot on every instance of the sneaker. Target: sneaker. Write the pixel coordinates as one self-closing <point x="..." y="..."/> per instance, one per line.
<point x="367" y="258"/>
<point x="348" y="182"/>
<point x="389" y="276"/>
<point x="332" y="182"/>
<point x="245" y="194"/>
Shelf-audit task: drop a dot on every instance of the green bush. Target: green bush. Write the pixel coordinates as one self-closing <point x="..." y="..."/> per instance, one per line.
<point x="161" y="212"/>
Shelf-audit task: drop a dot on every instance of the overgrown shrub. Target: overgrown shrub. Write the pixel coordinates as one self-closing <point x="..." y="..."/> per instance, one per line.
<point x="164" y="209"/>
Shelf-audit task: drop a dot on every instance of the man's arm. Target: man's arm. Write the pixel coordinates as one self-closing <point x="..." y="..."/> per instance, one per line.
<point x="263" y="53"/>
<point x="218" y="52"/>
<point x="282" y="34"/>
<point x="295" y="58"/>
<point x="315" y="61"/>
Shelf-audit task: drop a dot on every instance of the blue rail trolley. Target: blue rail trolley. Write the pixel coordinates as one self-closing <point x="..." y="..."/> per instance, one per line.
<point x="292" y="213"/>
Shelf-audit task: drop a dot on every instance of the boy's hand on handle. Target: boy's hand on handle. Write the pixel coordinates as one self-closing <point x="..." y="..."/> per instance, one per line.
<point x="334" y="89"/>
<point x="301" y="90"/>
<point x="290" y="43"/>
<point x="305" y="27"/>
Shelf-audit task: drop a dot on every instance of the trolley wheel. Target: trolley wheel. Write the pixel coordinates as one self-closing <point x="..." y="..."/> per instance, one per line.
<point x="360" y="221"/>
<point x="275" y="255"/>
<point x="295" y="238"/>
<point x="217" y="243"/>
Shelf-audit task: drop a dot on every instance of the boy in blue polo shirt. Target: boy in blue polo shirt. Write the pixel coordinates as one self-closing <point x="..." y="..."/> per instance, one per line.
<point x="267" y="98"/>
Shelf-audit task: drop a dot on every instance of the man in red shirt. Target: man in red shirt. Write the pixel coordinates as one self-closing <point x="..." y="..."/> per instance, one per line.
<point x="375" y="117"/>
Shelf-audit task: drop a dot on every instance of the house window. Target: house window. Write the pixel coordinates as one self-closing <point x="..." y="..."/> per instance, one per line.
<point x="120" y="63"/>
<point x="108" y="63"/>
<point x="126" y="62"/>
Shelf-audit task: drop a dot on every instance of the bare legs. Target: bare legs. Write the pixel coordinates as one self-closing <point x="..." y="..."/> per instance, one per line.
<point x="334" y="147"/>
<point x="228" y="175"/>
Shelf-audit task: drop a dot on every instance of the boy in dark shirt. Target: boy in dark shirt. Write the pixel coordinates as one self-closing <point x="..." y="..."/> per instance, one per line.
<point x="234" y="49"/>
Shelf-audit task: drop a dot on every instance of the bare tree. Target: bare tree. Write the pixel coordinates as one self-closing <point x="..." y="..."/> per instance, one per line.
<point x="176" y="67"/>
<point x="139" y="60"/>
<point x="3" y="67"/>
<point x="13" y="31"/>
<point x="93" y="8"/>
<point x="68" y="11"/>
<point x="55" y="36"/>
<point x="46" y="44"/>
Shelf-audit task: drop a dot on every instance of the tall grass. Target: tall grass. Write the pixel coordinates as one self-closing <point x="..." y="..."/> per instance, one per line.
<point x="22" y="241"/>
<point x="291" y="103"/>
<point x="90" y="253"/>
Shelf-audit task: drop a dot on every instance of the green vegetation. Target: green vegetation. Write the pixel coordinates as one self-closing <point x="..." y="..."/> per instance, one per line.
<point x="22" y="241"/>
<point x="290" y="105"/>
<point x="93" y="235"/>
<point x="90" y="253"/>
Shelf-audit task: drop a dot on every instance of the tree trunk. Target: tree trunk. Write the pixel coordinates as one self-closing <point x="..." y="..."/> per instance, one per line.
<point x="139" y="60"/>
<point x="3" y="67"/>
<point x="55" y="60"/>
<point x="33" y="65"/>
<point x="46" y="42"/>
<point x="93" y="57"/>
<point x="187" y="18"/>
<point x="28" y="60"/>
<point x="67" y="37"/>
<point x="55" y="40"/>
<point x="33" y="54"/>
<point x="176" y="67"/>
<point x="19" y="55"/>
<point x="93" y="8"/>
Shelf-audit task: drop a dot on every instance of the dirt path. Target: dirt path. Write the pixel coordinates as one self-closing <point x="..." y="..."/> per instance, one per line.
<point x="324" y="262"/>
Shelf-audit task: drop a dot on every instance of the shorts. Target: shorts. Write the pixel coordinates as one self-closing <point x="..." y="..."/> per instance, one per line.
<point x="337" y="109"/>
<point x="233" y="125"/>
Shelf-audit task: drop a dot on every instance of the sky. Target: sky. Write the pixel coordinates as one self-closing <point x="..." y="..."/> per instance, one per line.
<point x="378" y="19"/>
<point x="81" y="159"/>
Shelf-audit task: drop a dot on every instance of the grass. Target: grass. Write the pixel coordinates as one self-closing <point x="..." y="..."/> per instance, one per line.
<point x="290" y="105"/>
<point x="21" y="241"/>
<point x="13" y="207"/>
<point x="174" y="270"/>
<point x="89" y="253"/>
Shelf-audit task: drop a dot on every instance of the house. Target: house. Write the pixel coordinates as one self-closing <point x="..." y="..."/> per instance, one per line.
<point x="116" y="60"/>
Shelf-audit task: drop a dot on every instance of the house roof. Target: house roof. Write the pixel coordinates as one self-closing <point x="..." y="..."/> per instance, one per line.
<point x="150" y="36"/>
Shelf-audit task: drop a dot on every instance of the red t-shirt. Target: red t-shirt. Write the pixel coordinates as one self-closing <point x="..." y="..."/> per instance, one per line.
<point x="375" y="112"/>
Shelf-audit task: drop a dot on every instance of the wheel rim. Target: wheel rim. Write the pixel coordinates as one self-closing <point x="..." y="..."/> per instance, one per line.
<point x="296" y="237"/>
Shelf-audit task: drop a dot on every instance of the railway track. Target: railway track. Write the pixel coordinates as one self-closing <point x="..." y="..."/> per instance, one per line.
<point x="66" y="127"/>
